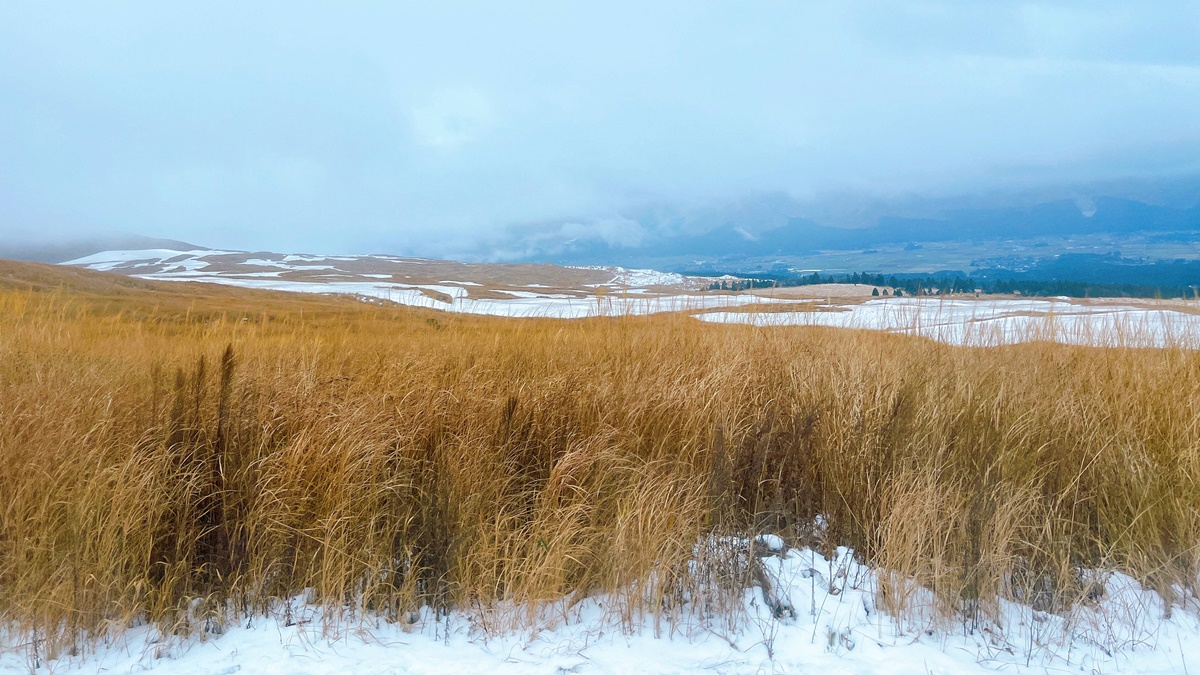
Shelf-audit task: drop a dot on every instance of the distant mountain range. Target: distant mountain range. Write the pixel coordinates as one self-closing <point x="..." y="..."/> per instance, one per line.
<point x="1150" y="230"/>
<point x="736" y="239"/>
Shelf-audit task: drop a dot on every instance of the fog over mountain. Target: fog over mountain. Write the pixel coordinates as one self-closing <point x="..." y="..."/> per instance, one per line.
<point x="548" y="131"/>
<point x="777" y="224"/>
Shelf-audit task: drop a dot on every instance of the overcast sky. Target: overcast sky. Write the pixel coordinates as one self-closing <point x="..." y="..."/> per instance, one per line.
<point x="432" y="127"/>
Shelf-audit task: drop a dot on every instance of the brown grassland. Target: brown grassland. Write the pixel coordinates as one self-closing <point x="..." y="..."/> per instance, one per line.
<point x="180" y="454"/>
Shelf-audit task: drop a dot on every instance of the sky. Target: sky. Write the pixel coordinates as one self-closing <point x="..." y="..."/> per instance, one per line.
<point x="478" y="130"/>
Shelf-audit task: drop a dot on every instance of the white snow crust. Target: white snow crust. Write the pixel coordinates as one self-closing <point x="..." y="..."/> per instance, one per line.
<point x="975" y="322"/>
<point x="820" y="617"/>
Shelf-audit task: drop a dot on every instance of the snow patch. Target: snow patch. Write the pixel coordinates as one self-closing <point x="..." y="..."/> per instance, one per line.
<point x="807" y="614"/>
<point x="993" y="322"/>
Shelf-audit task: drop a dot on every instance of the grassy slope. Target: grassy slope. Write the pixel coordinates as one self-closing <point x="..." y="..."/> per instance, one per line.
<point x="172" y="452"/>
<point x="106" y="293"/>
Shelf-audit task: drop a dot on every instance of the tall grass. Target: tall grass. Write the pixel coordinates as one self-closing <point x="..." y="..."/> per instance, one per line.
<point x="184" y="464"/>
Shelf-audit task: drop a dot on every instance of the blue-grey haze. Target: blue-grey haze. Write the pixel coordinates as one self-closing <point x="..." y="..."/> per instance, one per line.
<point x="503" y="129"/>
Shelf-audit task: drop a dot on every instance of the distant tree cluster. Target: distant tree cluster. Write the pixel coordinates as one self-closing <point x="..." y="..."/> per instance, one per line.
<point x="916" y="285"/>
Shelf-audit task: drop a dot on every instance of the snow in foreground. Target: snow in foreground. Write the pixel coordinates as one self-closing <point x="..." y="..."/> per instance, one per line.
<point x="829" y="623"/>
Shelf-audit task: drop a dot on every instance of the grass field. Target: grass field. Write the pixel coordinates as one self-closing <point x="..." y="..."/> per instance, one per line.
<point x="184" y="454"/>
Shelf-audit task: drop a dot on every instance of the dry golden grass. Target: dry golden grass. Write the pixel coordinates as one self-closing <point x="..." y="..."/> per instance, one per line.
<point x="180" y="454"/>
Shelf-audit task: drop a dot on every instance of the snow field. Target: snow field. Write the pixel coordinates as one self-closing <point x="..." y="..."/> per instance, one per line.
<point x="632" y="292"/>
<point x="994" y="322"/>
<point x="819" y="615"/>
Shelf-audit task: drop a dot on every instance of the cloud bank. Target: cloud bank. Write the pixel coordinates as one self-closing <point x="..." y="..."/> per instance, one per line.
<point x="470" y="129"/>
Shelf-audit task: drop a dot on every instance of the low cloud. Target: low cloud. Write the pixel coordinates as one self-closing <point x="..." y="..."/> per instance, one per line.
<point x="445" y="128"/>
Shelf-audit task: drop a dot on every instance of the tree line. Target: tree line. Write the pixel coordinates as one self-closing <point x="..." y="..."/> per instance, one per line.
<point x="926" y="285"/>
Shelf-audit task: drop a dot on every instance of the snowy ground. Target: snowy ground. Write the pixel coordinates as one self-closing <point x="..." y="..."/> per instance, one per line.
<point x="519" y="304"/>
<point x="613" y="291"/>
<point x="829" y="624"/>
<point x="822" y="615"/>
<point x="598" y="291"/>
<point x="990" y="322"/>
